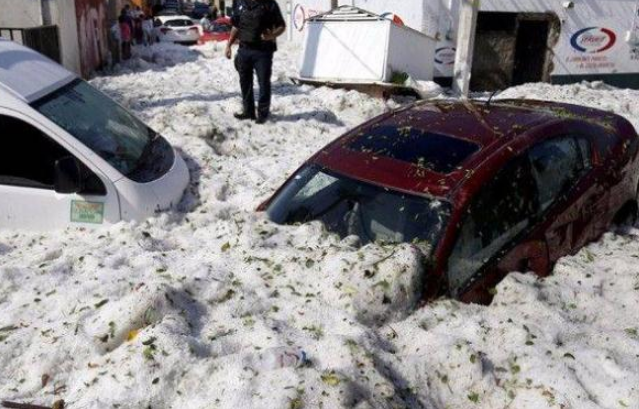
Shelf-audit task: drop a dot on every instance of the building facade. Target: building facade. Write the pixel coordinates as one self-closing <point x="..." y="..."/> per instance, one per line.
<point x="82" y="25"/>
<point x="520" y="41"/>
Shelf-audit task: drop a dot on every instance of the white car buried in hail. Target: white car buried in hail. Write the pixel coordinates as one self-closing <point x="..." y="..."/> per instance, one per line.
<point x="71" y="156"/>
<point x="176" y="29"/>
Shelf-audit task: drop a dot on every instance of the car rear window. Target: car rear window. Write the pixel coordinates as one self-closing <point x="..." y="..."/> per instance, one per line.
<point x="178" y="23"/>
<point x="221" y="28"/>
<point x="436" y="152"/>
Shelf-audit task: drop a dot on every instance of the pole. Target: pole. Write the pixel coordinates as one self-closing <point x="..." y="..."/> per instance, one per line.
<point x="334" y="4"/>
<point x="465" y="46"/>
<point x="291" y="20"/>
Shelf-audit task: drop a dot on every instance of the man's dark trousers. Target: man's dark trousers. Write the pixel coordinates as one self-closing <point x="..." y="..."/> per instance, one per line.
<point x="248" y="60"/>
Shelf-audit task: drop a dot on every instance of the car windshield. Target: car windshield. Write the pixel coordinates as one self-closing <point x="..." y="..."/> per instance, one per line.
<point x="178" y="23"/>
<point x="106" y="128"/>
<point x="349" y="207"/>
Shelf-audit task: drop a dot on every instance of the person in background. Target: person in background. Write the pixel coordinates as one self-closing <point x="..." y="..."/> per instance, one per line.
<point x="126" y="13"/>
<point x="206" y="23"/>
<point x="137" y="12"/>
<point x="138" y="33"/>
<point x="214" y="13"/>
<point x="148" y="30"/>
<point x="125" y="32"/>
<point x="256" y="24"/>
<point x="115" y="40"/>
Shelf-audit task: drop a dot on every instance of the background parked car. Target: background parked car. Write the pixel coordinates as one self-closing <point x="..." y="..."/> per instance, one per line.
<point x="199" y="10"/>
<point x="176" y="29"/>
<point x="220" y="31"/>
<point x="187" y="8"/>
<point x="482" y="190"/>
<point x="172" y="6"/>
<point x="169" y="12"/>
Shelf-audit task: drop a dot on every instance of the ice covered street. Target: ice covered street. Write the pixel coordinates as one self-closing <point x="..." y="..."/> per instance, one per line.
<point x="179" y="311"/>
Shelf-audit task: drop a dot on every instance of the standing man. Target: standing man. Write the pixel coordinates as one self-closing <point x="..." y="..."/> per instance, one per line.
<point x="115" y="40"/>
<point x="256" y="24"/>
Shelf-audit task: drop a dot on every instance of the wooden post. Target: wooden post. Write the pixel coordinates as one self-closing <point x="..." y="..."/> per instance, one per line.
<point x="468" y="12"/>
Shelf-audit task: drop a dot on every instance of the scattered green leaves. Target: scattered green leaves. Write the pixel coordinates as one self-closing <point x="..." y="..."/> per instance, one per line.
<point x="473" y="397"/>
<point x="101" y="304"/>
<point x="330" y="378"/>
<point x="296" y="403"/>
<point x="149" y="352"/>
<point x="316" y="331"/>
<point x="4" y="331"/>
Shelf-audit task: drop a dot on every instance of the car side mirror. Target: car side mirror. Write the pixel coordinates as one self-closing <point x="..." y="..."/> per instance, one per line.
<point x="68" y="176"/>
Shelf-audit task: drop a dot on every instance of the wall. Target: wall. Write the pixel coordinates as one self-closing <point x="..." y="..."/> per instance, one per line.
<point x="20" y="13"/>
<point x="576" y="51"/>
<point x="491" y="47"/>
<point x="602" y="50"/>
<point x="62" y="14"/>
<point x="93" y="28"/>
<point x="34" y="13"/>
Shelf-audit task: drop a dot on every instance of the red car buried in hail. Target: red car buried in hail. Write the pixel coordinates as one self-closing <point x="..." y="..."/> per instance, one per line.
<point x="220" y="30"/>
<point x="481" y="189"/>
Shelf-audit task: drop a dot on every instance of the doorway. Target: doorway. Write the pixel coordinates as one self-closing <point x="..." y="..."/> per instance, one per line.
<point x="532" y="40"/>
<point x="513" y="49"/>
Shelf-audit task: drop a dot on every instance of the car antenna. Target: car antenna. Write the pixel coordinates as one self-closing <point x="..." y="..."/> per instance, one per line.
<point x="491" y="98"/>
<point x="477" y="114"/>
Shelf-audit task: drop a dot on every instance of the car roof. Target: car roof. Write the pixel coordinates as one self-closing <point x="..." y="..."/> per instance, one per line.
<point x="374" y="153"/>
<point x="29" y="75"/>
<point x="164" y="19"/>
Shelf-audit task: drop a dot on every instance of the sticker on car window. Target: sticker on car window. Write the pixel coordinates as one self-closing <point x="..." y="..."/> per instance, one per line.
<point x="87" y="212"/>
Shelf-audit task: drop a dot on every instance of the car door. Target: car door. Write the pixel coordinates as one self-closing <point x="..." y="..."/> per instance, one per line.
<point x="591" y="196"/>
<point x="493" y="237"/>
<point x="29" y="200"/>
<point x="567" y="196"/>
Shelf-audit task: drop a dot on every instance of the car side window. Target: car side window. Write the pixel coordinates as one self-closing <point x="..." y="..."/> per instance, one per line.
<point x="502" y="210"/>
<point x="556" y="165"/>
<point x="586" y="152"/>
<point x="28" y="158"/>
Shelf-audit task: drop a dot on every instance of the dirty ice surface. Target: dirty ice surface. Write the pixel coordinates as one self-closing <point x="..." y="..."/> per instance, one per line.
<point x="175" y="312"/>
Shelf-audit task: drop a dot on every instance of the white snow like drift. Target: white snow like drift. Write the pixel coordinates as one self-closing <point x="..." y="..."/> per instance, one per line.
<point x="172" y="312"/>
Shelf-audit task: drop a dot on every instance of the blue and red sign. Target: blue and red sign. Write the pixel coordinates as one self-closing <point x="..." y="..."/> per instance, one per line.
<point x="593" y="40"/>
<point x="445" y="56"/>
<point x="299" y="17"/>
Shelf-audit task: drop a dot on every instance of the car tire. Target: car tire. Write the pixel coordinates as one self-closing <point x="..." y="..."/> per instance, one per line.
<point x="626" y="216"/>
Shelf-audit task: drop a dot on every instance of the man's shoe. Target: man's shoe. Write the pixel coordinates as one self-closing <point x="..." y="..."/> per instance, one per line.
<point x="261" y="120"/>
<point x="242" y="116"/>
